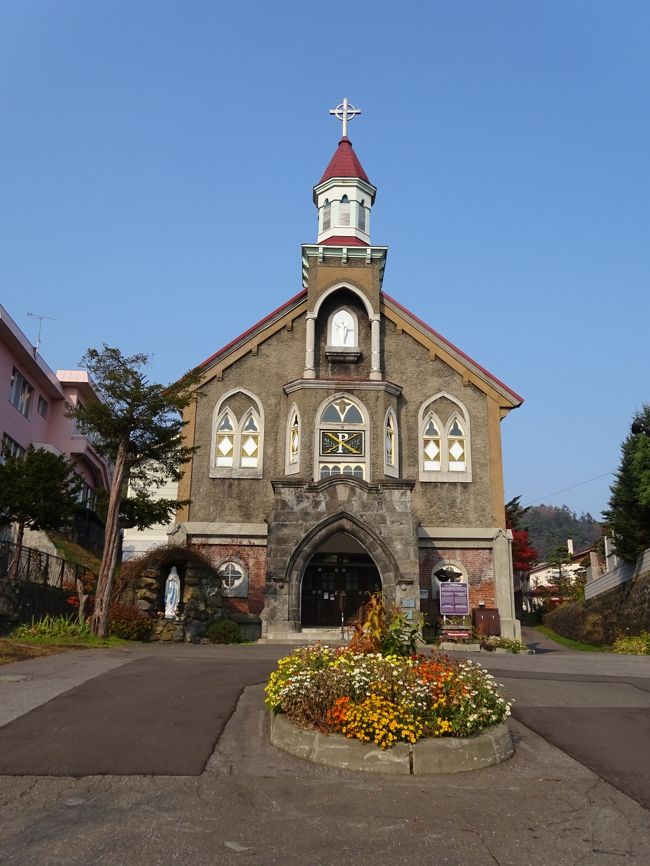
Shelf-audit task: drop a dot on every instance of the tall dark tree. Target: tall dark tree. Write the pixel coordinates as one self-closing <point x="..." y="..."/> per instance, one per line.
<point x="39" y="491"/>
<point x="628" y="515"/>
<point x="138" y="426"/>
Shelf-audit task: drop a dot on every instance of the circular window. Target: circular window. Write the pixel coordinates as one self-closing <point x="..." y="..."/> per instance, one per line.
<point x="231" y="574"/>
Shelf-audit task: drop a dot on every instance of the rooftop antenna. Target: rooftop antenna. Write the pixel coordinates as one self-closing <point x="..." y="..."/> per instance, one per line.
<point x="40" y="324"/>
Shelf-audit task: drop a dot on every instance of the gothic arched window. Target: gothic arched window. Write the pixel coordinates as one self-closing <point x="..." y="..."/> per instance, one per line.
<point x="456" y="445"/>
<point x="444" y="427"/>
<point x="341" y="448"/>
<point x="344" y="211"/>
<point x="249" y="440"/>
<point x="431" y="444"/>
<point x="361" y="219"/>
<point x="327" y="215"/>
<point x="391" y="466"/>
<point x="225" y="439"/>
<point x="292" y="456"/>
<point x="237" y="443"/>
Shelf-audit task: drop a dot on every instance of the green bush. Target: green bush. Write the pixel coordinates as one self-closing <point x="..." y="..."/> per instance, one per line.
<point x="223" y="631"/>
<point x="638" y="644"/>
<point x="509" y="643"/>
<point x="129" y="623"/>
<point x="59" y="628"/>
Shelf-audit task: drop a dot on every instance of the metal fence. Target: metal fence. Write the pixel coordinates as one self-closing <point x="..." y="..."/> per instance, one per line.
<point x="35" y="566"/>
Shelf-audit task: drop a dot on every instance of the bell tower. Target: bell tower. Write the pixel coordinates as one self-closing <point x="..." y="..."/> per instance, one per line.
<point x="344" y="196"/>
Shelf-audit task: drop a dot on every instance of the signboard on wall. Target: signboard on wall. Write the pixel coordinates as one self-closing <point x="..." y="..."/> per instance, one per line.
<point x="454" y="599"/>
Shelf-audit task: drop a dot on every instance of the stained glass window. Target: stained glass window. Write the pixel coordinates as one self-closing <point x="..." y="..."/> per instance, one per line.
<point x="249" y="447"/>
<point x="390" y="440"/>
<point x="225" y="445"/>
<point x="294" y="438"/>
<point x="431" y="446"/>
<point x="342" y="411"/>
<point x="456" y="447"/>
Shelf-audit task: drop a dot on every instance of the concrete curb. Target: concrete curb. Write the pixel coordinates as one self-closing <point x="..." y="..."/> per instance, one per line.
<point x="442" y="755"/>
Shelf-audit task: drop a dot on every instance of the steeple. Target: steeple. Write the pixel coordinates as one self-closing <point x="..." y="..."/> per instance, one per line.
<point x="344" y="196"/>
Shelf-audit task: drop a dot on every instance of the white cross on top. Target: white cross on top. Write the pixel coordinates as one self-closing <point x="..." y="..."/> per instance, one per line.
<point x="345" y="112"/>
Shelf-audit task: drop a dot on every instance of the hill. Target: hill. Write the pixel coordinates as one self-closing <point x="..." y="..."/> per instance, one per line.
<point x="549" y="527"/>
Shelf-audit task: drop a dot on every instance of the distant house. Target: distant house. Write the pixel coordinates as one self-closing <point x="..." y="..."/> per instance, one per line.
<point x="541" y="582"/>
<point x="32" y="409"/>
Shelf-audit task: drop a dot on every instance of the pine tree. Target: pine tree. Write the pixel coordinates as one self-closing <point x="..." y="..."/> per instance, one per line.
<point x="628" y="515"/>
<point x="138" y="426"/>
<point x="39" y="491"/>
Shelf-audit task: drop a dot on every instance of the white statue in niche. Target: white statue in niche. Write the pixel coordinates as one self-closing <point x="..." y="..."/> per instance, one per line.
<point x="343" y="329"/>
<point x="172" y="593"/>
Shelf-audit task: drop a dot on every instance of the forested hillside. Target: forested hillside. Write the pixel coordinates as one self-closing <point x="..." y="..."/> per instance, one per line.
<point x="549" y="527"/>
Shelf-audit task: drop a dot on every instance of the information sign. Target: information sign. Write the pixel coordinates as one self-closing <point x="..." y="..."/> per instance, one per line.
<point x="454" y="599"/>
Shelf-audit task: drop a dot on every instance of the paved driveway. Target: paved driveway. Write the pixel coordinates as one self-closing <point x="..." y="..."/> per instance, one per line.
<point x="251" y="803"/>
<point x="157" y="715"/>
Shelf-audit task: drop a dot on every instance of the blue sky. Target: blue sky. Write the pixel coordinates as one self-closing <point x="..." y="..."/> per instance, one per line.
<point x="157" y="161"/>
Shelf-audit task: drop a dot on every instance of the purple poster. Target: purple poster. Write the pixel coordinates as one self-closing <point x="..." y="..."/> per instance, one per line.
<point x="454" y="599"/>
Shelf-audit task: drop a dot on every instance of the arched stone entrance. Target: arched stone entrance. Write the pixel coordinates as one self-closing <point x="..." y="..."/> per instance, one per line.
<point x="346" y="532"/>
<point x="337" y="583"/>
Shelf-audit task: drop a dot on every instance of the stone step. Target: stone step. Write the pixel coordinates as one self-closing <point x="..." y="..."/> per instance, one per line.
<point x="310" y="635"/>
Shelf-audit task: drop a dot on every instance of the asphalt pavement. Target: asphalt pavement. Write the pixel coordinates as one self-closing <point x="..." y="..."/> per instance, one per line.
<point x="248" y="802"/>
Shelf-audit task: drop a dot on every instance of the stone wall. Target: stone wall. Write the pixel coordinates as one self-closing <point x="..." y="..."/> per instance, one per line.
<point x="200" y="601"/>
<point x="619" y="612"/>
<point x="305" y="515"/>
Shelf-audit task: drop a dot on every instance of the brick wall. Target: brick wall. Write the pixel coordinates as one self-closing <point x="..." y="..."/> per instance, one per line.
<point x="254" y="560"/>
<point x="480" y="573"/>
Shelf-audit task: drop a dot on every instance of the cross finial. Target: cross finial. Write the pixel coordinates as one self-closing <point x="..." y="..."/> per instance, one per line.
<point x="345" y="112"/>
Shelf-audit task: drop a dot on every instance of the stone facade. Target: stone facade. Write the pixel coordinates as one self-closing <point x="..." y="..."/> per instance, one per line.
<point x="272" y="514"/>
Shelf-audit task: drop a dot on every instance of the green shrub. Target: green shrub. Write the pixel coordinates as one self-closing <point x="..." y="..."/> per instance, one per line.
<point x="58" y="628"/>
<point x="129" y="623"/>
<point x="223" y="631"/>
<point x="509" y="643"/>
<point x="638" y="644"/>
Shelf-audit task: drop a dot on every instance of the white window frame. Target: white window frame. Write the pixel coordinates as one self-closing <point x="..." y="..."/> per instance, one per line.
<point x="427" y="411"/>
<point x="256" y="411"/>
<point x="391" y="469"/>
<point x="292" y="467"/>
<point x="334" y="459"/>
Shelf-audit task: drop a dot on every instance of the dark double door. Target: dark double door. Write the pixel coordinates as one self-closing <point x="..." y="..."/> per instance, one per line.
<point x="336" y="587"/>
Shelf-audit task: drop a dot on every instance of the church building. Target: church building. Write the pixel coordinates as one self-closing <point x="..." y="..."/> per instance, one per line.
<point x="345" y="446"/>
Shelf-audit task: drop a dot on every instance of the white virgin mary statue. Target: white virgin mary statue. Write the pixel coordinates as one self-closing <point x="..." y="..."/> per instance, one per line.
<point x="172" y="593"/>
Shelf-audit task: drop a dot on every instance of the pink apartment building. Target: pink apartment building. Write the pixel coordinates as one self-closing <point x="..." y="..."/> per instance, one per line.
<point x="32" y="408"/>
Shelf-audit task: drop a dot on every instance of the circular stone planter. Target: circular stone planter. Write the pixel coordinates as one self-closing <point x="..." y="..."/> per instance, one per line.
<point x="434" y="755"/>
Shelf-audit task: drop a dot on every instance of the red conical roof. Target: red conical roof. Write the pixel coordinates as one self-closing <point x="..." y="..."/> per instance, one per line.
<point x="344" y="163"/>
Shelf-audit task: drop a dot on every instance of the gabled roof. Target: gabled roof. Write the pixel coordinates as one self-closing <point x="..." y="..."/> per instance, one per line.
<point x="416" y="327"/>
<point x="344" y="163"/>
<point x="253" y="331"/>
<point x="465" y="359"/>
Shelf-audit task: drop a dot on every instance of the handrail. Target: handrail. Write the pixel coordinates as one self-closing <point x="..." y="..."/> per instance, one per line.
<point x="37" y="566"/>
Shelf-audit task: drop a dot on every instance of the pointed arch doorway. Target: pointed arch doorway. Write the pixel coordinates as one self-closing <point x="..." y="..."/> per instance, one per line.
<point x="337" y="583"/>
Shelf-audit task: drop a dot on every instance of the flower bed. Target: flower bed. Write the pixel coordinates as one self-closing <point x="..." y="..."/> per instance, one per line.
<point x="385" y="700"/>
